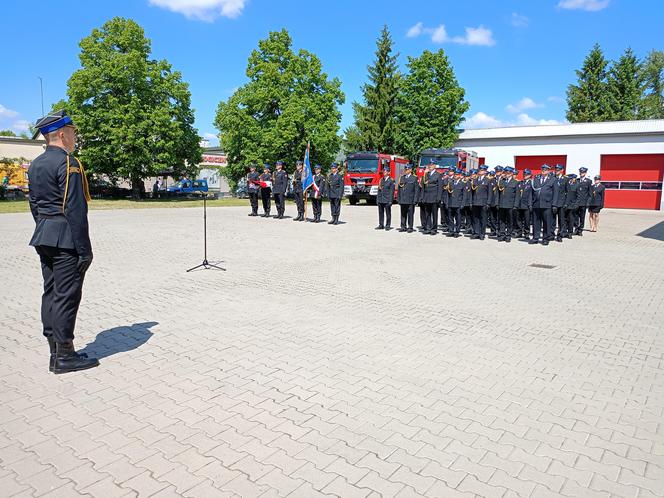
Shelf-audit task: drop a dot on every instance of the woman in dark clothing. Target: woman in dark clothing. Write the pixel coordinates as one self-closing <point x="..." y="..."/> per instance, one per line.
<point x="595" y="202"/>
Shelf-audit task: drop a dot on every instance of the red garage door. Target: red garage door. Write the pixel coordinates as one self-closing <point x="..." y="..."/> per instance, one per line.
<point x="534" y="163"/>
<point x="633" y="180"/>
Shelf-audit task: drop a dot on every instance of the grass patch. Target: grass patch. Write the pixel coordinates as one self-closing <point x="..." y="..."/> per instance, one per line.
<point x="22" y="206"/>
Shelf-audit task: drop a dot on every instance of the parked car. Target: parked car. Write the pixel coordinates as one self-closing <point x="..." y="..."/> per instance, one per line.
<point x="103" y="189"/>
<point x="241" y="191"/>
<point x="188" y="188"/>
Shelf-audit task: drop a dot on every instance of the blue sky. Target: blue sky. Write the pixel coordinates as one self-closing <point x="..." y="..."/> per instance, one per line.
<point x="515" y="58"/>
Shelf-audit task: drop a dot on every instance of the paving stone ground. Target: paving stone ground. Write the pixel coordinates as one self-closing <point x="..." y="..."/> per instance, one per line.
<point x="339" y="361"/>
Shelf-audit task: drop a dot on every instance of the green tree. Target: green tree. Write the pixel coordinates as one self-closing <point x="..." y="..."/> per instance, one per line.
<point x="133" y="113"/>
<point x="287" y="102"/>
<point x="589" y="99"/>
<point x="652" y="72"/>
<point x="431" y="104"/>
<point x="7" y="133"/>
<point x="375" y="119"/>
<point x="625" y="83"/>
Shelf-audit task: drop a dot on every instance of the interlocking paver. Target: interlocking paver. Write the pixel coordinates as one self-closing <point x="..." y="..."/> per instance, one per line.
<point x="429" y="398"/>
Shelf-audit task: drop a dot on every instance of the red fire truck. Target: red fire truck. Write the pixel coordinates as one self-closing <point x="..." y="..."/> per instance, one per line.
<point x="364" y="171"/>
<point x="454" y="158"/>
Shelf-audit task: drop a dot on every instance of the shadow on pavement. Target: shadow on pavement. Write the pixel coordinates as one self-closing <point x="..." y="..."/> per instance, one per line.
<point x="119" y="340"/>
<point x="654" y="232"/>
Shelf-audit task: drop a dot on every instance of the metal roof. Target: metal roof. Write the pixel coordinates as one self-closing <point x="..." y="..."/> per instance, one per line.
<point x="637" y="127"/>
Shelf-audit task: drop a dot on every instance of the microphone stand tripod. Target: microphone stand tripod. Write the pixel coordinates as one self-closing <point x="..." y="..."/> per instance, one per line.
<point x="205" y="264"/>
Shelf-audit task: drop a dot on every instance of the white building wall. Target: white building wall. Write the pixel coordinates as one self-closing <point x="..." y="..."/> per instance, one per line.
<point x="580" y="151"/>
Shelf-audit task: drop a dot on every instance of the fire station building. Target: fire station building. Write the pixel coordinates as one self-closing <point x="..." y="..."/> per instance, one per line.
<point x="629" y="155"/>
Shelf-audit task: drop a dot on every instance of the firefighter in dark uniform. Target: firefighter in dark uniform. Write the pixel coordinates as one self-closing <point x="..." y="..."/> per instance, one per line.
<point x="316" y="193"/>
<point x="297" y="191"/>
<point x="430" y="198"/>
<point x="507" y="190"/>
<point x="335" y="192"/>
<point x="266" y="191"/>
<point x="466" y="210"/>
<point x="571" y="205"/>
<point x="253" y="189"/>
<point x="543" y="186"/>
<point x="480" y="188"/>
<point x="558" y="207"/>
<point x="384" y="199"/>
<point x="455" y="189"/>
<point x="445" y="180"/>
<point x="407" y="196"/>
<point x="59" y="197"/>
<point x="585" y="184"/>
<point x="524" y="204"/>
<point x="279" y="187"/>
<point x="493" y="200"/>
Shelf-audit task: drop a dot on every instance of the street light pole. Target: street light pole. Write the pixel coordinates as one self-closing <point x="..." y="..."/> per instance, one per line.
<point x="41" y="89"/>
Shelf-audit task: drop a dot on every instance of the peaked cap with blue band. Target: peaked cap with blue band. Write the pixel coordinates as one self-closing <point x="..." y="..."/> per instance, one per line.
<point x="52" y="122"/>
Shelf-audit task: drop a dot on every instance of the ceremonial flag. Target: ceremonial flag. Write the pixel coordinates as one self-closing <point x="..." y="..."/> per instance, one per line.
<point x="307" y="175"/>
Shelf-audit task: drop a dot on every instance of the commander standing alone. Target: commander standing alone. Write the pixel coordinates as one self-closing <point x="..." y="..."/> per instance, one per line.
<point x="59" y="199"/>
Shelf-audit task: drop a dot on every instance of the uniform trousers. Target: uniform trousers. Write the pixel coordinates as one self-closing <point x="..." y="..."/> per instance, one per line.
<point x="335" y="207"/>
<point x="384" y="214"/>
<point x="523" y="221"/>
<point x="479" y="220"/>
<point x="581" y="218"/>
<point x="407" y="215"/>
<point x="299" y="202"/>
<point x="280" y="202"/>
<point x="454" y="219"/>
<point x="316" y="206"/>
<point x="253" y="200"/>
<point x="560" y="221"/>
<point x="63" y="285"/>
<point x="505" y="223"/>
<point x="430" y="216"/>
<point x="265" y="197"/>
<point x="542" y="224"/>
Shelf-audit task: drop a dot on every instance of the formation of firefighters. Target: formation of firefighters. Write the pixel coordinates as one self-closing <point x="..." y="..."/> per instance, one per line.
<point x="542" y="208"/>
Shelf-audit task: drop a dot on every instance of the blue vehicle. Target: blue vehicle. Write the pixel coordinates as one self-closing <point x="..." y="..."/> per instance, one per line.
<point x="188" y="187"/>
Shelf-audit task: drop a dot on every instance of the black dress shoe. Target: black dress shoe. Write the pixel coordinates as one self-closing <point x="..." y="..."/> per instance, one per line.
<point x="481" y="237"/>
<point x="534" y="241"/>
<point x="67" y="360"/>
<point x="457" y="235"/>
<point x="501" y="239"/>
<point x="379" y="227"/>
<point x="545" y="242"/>
<point x="434" y="232"/>
<point x="331" y="222"/>
<point x="508" y="239"/>
<point x="388" y="228"/>
<point x="402" y="229"/>
<point x="410" y="230"/>
<point x="426" y="232"/>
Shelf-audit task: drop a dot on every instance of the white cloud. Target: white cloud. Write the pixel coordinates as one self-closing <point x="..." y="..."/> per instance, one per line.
<point x="415" y="30"/>
<point x="522" y="105"/>
<point x="524" y="120"/>
<point x="556" y="99"/>
<point x="439" y="34"/>
<point x="203" y="10"/>
<point x="519" y="20"/>
<point x="589" y="5"/>
<point x="21" y="126"/>
<point x="210" y="136"/>
<point x="7" y="113"/>
<point x="484" y="120"/>
<point x="479" y="36"/>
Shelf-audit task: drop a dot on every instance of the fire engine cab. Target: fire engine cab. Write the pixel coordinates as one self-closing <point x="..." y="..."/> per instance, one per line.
<point x="364" y="171"/>
<point x="454" y="158"/>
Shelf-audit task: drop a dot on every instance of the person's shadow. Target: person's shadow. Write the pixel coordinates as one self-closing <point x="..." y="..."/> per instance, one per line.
<point x="119" y="340"/>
